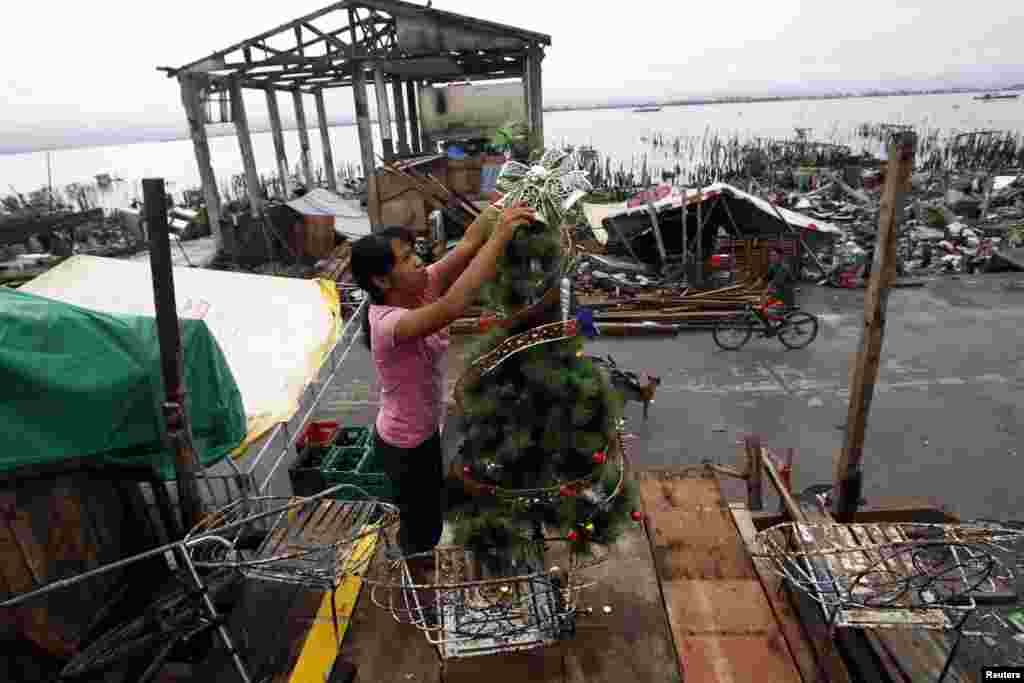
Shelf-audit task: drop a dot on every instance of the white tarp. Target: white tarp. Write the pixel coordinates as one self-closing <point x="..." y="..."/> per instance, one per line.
<point x="668" y="197"/>
<point x="349" y="218"/>
<point x="273" y="331"/>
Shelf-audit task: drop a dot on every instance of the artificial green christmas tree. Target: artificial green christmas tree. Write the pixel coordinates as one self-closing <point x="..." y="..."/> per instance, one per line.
<point x="539" y="439"/>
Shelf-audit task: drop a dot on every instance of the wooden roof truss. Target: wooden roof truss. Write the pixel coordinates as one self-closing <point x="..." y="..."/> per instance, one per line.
<point x="323" y="49"/>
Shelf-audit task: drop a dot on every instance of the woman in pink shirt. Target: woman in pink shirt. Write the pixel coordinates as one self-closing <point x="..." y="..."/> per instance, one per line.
<point x="405" y="328"/>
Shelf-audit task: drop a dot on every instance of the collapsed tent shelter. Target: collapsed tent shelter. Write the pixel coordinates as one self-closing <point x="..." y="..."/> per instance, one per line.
<point x="404" y="49"/>
<point x="718" y="218"/>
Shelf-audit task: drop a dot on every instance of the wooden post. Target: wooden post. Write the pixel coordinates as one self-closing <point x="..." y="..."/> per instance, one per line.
<point x="280" y="153"/>
<point x="178" y="428"/>
<point x="528" y="89"/>
<point x="383" y="114"/>
<point x="865" y="367"/>
<point x="325" y="141"/>
<point x="537" y="96"/>
<point x="686" y="239"/>
<point x="197" y="129"/>
<point x="427" y="146"/>
<point x="300" y="122"/>
<point x="252" y="178"/>
<point x="365" y="137"/>
<point x="662" y="254"/>
<point x="414" y="117"/>
<point x="755" y="485"/>
<point x="699" y="247"/>
<point x="397" y="92"/>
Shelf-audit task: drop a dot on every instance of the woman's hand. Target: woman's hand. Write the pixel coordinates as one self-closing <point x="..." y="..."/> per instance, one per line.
<point x="511" y="218"/>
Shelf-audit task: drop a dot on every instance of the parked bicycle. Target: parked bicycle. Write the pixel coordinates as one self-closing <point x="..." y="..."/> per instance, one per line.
<point x="177" y="626"/>
<point x="794" y="328"/>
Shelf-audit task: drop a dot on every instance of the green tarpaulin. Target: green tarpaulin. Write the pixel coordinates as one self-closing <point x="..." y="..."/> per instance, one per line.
<point x="78" y="383"/>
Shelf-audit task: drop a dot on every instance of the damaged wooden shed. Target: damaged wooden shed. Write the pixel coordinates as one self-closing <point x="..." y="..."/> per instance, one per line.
<point x="400" y="47"/>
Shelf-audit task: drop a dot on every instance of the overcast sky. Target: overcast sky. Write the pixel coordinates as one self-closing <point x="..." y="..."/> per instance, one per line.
<point x="93" y="64"/>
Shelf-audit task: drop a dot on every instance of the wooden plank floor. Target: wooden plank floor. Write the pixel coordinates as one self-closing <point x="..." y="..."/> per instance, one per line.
<point x="722" y="622"/>
<point x="631" y="643"/>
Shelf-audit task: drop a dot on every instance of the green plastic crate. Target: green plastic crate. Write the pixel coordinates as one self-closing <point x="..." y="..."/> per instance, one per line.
<point x="352" y="437"/>
<point x="359" y="467"/>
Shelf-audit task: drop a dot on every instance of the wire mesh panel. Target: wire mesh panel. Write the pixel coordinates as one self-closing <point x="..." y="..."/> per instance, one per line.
<point x="888" y="575"/>
<point x="315" y="541"/>
<point x="471" y="609"/>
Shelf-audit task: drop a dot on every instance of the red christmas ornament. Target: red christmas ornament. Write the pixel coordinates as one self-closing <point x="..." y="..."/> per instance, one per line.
<point x="486" y="322"/>
<point x="636" y="516"/>
<point x="600" y="457"/>
<point x="567" y="491"/>
<point x="572" y="536"/>
<point x="467" y="470"/>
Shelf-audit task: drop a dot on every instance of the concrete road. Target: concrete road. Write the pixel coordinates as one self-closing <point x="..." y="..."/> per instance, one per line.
<point x="946" y="422"/>
<point x="946" y="419"/>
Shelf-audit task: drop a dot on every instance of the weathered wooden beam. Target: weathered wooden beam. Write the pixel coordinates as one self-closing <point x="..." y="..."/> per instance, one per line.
<point x="528" y="91"/>
<point x="826" y="651"/>
<point x="537" y="96"/>
<point x="325" y="141"/>
<point x="280" y="154"/>
<point x="398" y="94"/>
<point x="331" y="37"/>
<point x="252" y="178"/>
<point x="257" y="41"/>
<point x="755" y="485"/>
<point x="775" y="590"/>
<point x="450" y="18"/>
<point x="383" y="114"/>
<point x="310" y="83"/>
<point x="365" y="136"/>
<point x="864" y="372"/>
<point x="426" y="145"/>
<point x="304" y="158"/>
<point x="414" y="117"/>
<point x="190" y="86"/>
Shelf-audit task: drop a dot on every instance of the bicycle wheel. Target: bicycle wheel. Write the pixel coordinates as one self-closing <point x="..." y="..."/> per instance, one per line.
<point x="733" y="333"/>
<point x="169" y="618"/>
<point x="798" y="329"/>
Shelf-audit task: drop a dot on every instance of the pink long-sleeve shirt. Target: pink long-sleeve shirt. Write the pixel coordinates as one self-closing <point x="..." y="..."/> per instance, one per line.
<point x="411" y="373"/>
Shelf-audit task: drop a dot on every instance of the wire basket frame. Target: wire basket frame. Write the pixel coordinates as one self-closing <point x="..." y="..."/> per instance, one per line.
<point x="468" y="611"/>
<point x="315" y="541"/>
<point x="886" y="575"/>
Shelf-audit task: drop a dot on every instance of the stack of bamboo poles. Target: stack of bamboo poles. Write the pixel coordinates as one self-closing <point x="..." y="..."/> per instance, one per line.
<point x="690" y="308"/>
<point x="655" y="312"/>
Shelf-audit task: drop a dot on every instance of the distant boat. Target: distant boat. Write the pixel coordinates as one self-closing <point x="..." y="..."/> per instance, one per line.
<point x="640" y="110"/>
<point x="1001" y="96"/>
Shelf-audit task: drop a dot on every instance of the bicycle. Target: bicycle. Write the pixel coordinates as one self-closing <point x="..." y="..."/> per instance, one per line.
<point x="176" y="626"/>
<point x="795" y="328"/>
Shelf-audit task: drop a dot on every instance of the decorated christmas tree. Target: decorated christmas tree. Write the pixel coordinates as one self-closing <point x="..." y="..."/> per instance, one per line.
<point x="540" y="454"/>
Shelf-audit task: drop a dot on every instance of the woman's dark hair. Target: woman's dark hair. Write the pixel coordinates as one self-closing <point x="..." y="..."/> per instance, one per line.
<point x="372" y="257"/>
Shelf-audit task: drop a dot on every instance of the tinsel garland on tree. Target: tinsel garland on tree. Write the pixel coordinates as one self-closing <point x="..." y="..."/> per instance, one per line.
<point x="543" y="419"/>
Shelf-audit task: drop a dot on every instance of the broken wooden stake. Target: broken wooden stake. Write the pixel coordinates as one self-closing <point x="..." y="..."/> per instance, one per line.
<point x="864" y="372"/>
